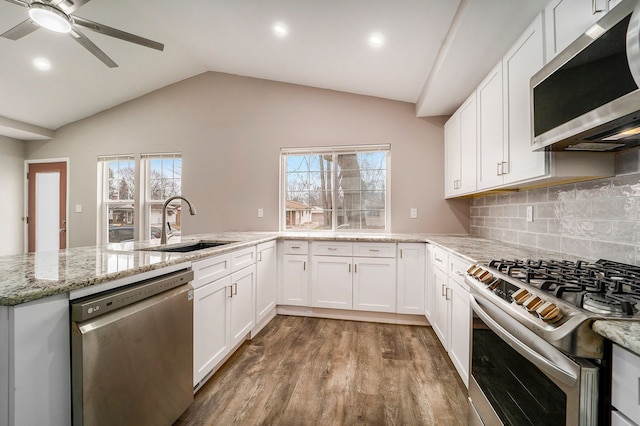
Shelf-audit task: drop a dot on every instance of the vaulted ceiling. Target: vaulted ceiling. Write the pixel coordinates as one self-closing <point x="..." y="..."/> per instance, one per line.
<point x="434" y="52"/>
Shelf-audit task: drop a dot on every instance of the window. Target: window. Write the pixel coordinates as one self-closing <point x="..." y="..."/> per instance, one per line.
<point x="163" y="180"/>
<point x="335" y="188"/>
<point x="117" y="196"/>
<point x="160" y="178"/>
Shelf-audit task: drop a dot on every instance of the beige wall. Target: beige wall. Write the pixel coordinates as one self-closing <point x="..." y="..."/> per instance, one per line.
<point x="230" y="129"/>
<point x="12" y="156"/>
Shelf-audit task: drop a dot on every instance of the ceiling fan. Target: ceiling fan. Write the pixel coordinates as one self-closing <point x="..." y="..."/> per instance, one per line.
<point x="56" y="15"/>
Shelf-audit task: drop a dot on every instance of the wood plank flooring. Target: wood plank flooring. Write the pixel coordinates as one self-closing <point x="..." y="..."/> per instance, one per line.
<point x="310" y="371"/>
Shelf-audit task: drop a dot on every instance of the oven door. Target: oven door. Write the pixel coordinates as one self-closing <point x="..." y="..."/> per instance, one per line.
<point x="517" y="378"/>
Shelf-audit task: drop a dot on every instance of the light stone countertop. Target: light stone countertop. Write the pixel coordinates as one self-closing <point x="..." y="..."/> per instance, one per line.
<point x="32" y="276"/>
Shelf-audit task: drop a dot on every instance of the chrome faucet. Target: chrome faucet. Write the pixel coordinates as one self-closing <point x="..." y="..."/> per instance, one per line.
<point x="192" y="211"/>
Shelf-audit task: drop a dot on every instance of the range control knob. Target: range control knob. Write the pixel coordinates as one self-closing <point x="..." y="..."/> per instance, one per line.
<point x="549" y="312"/>
<point x="520" y="296"/>
<point x="533" y="303"/>
<point x="485" y="277"/>
<point x="472" y="269"/>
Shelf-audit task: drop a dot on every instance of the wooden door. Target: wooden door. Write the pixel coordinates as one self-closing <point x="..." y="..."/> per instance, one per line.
<point x="47" y="206"/>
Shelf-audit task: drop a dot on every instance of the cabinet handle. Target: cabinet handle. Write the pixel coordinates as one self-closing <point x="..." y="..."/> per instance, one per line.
<point x="374" y="250"/>
<point x="594" y="7"/>
<point x="230" y="291"/>
<point x="304" y="266"/>
<point x="436" y="258"/>
<point x="355" y="268"/>
<point x="458" y="273"/>
<point x="499" y="169"/>
<point x="505" y="167"/>
<point x="235" y="289"/>
<point x="349" y="267"/>
<point x="401" y="253"/>
<point x="295" y="247"/>
<point x="447" y="294"/>
<point x="332" y="248"/>
<point x="260" y="257"/>
<point x="443" y="291"/>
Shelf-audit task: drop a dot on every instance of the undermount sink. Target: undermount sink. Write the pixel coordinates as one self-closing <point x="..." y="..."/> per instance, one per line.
<point x="200" y="245"/>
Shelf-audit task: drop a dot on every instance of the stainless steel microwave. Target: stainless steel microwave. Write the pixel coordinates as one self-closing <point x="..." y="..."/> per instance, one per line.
<point x="587" y="98"/>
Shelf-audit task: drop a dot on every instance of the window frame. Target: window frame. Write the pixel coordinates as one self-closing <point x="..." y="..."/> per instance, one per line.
<point x="334" y="151"/>
<point x="141" y="200"/>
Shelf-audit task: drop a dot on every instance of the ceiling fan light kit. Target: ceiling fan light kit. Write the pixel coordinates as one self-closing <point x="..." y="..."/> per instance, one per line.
<point x="56" y="15"/>
<point x="49" y="17"/>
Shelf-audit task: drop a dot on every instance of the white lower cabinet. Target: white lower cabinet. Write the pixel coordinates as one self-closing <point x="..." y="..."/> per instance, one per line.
<point x="242" y="303"/>
<point x="411" y="278"/>
<point x="374" y="284"/>
<point x="266" y="280"/>
<point x="460" y="322"/>
<point x="450" y="310"/>
<point x="340" y="281"/>
<point x="223" y="309"/>
<point x="331" y="282"/>
<point x="441" y="307"/>
<point x="625" y="387"/>
<point x="211" y="330"/>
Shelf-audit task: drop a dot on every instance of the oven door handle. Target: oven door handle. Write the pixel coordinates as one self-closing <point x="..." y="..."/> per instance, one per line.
<point x="539" y="360"/>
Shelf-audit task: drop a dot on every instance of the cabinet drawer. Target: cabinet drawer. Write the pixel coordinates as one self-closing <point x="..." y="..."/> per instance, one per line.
<point x="296" y="247"/>
<point x="625" y="386"/>
<point x="332" y="248"/>
<point x="439" y="258"/>
<point x="458" y="269"/>
<point x="208" y="270"/>
<point x="374" y="249"/>
<point x="243" y="258"/>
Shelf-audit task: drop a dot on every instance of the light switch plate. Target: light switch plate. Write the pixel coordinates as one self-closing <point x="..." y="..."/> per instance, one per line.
<point x="260" y="213"/>
<point x="414" y="213"/>
<point x="78" y="208"/>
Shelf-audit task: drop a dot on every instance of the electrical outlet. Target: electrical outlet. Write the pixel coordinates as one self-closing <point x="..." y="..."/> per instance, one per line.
<point x="260" y="213"/>
<point x="414" y="213"/>
<point x="78" y="208"/>
<point x="529" y="213"/>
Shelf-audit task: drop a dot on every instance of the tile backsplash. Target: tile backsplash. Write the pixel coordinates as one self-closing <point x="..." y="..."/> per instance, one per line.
<point x="594" y="219"/>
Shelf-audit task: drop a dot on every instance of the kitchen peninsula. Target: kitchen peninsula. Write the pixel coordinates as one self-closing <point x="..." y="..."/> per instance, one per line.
<point x="35" y="291"/>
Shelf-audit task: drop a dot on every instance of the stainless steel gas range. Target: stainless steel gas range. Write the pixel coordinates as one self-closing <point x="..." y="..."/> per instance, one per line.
<point x="535" y="358"/>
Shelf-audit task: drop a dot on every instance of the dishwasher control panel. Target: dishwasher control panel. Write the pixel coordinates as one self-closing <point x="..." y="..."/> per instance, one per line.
<point x="100" y="304"/>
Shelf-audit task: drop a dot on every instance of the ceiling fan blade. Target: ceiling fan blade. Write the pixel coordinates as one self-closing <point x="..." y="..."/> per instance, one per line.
<point x="20" y="30"/>
<point x="103" y="29"/>
<point x="67" y="6"/>
<point x="95" y="50"/>
<point x="19" y="3"/>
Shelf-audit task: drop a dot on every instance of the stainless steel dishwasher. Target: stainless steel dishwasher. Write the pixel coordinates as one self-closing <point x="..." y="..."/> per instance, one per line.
<point x="132" y="353"/>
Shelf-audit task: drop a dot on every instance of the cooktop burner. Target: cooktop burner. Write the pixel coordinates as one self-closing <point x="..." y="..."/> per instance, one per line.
<point x="604" y="287"/>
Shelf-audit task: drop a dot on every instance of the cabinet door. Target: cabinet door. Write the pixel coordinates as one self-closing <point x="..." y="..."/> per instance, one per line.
<point x="460" y="329"/>
<point x="428" y="288"/>
<point x="440" y="321"/>
<point x="374" y="284"/>
<point x="490" y="129"/>
<point x="295" y="280"/>
<point x="411" y="274"/>
<point x="468" y="146"/>
<point x="210" y="326"/>
<point x="242" y="303"/>
<point x="566" y="20"/>
<point x="266" y="280"/>
<point x="331" y="282"/>
<point x="523" y="60"/>
<point x="452" y="154"/>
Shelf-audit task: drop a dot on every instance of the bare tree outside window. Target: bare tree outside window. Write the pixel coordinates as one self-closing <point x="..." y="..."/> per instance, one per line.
<point x="328" y="191"/>
<point x="163" y="180"/>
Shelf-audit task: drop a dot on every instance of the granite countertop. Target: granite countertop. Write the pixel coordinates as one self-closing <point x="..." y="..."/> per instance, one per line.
<point x="28" y="277"/>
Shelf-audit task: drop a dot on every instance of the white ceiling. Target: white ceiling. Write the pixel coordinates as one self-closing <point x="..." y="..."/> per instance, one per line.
<point x="326" y="47"/>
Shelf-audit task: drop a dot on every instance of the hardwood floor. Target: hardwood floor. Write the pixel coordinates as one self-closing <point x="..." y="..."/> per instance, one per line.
<point x="311" y="371"/>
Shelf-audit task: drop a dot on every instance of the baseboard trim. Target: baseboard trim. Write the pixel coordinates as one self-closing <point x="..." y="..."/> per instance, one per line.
<point x="364" y="316"/>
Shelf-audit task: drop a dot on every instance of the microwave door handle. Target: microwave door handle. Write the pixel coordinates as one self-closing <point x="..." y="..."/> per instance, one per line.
<point x="534" y="357"/>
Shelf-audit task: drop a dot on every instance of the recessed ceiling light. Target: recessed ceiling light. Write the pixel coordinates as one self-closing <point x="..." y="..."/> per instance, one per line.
<point x="280" y="29"/>
<point x="42" y="64"/>
<point x="376" y="40"/>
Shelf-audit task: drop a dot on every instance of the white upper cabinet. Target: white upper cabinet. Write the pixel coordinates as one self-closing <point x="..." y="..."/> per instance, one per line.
<point x="460" y="150"/>
<point x="490" y="130"/>
<point x="521" y="62"/>
<point x="566" y="20"/>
